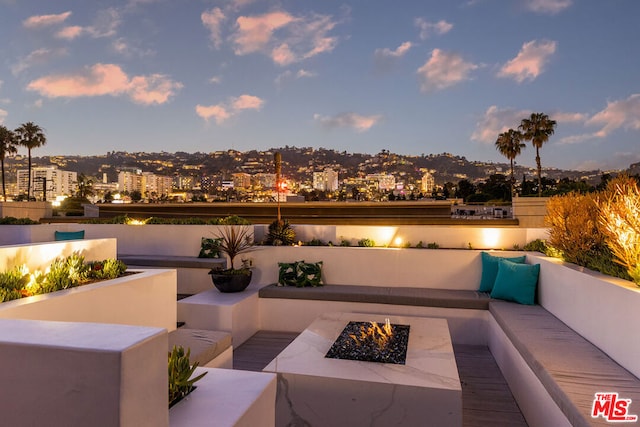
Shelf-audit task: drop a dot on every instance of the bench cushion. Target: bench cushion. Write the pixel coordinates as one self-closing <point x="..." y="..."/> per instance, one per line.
<point x="205" y="345"/>
<point x="571" y="368"/>
<point x="383" y="295"/>
<point x="170" y="261"/>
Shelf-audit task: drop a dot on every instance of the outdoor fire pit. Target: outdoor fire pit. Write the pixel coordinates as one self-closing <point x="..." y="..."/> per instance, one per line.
<point x="371" y="342"/>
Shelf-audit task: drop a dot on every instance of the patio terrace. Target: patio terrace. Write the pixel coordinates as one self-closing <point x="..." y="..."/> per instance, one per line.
<point x="488" y="389"/>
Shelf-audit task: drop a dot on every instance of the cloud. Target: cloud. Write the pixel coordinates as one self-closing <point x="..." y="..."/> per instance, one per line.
<point x="530" y="61"/>
<point x="348" y="120"/>
<point x="3" y="115"/>
<point x="548" y="6"/>
<point x="122" y="47"/>
<point x="428" y="28"/>
<point x="212" y="20"/>
<point x="223" y="111"/>
<point x="384" y="58"/>
<point x="40" y="21"/>
<point x="215" y="80"/>
<point x="38" y="56"/>
<point x="289" y="75"/>
<point x="70" y="32"/>
<point x="399" y="52"/>
<point x="105" y="24"/>
<point x="495" y="121"/>
<point x="618" y="114"/>
<point x="285" y="38"/>
<point x="442" y="70"/>
<point x="107" y="79"/>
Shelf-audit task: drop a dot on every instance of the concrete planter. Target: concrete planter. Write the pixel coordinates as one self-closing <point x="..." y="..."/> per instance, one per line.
<point x="147" y="298"/>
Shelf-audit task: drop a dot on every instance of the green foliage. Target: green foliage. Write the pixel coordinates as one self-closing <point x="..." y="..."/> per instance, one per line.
<point x="433" y="245"/>
<point x="63" y="273"/>
<point x="537" y="245"/>
<point x="234" y="220"/>
<point x="315" y="242"/>
<point x="366" y="243"/>
<point x="281" y="234"/>
<point x="345" y="242"/>
<point x="9" y="220"/>
<point x="234" y="240"/>
<point x="180" y="371"/>
<point x="106" y="270"/>
<point x="124" y="219"/>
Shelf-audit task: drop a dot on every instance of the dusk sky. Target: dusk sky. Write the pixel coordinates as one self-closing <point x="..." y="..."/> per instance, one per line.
<point x="413" y="77"/>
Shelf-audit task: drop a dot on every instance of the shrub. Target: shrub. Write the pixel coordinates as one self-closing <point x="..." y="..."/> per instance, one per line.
<point x="537" y="245"/>
<point x="345" y="242"/>
<point x="573" y="227"/>
<point x="367" y="243"/>
<point x="433" y="245"/>
<point x="619" y="216"/>
<point x="9" y="220"/>
<point x="281" y="233"/>
<point x="106" y="270"/>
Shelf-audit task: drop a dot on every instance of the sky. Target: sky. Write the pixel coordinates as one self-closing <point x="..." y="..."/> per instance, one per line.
<point x="413" y="77"/>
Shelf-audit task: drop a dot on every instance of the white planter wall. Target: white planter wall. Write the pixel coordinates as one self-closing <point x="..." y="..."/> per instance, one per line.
<point x="601" y="308"/>
<point x="147" y="298"/>
<point x="40" y="256"/>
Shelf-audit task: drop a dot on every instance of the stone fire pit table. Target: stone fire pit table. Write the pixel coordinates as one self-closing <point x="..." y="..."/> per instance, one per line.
<point x="318" y="391"/>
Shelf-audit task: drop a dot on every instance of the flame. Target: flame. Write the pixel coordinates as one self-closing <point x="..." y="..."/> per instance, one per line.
<point x="380" y="335"/>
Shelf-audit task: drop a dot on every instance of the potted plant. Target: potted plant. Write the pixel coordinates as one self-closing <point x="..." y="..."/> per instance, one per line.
<point x="233" y="240"/>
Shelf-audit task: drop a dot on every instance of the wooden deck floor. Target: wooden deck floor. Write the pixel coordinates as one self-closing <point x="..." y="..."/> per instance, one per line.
<point x="486" y="398"/>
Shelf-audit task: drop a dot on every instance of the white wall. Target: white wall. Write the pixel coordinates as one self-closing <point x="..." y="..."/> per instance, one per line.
<point x="429" y="268"/>
<point x="601" y="308"/>
<point x="40" y="256"/>
<point x="147" y="298"/>
<point x="82" y="374"/>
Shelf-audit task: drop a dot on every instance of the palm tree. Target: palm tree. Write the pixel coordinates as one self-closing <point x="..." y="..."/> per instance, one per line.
<point x="510" y="145"/>
<point x="537" y="129"/>
<point x="30" y="135"/>
<point x="7" y="148"/>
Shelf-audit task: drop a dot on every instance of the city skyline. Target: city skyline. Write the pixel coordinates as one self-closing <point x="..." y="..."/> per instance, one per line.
<point x="427" y="77"/>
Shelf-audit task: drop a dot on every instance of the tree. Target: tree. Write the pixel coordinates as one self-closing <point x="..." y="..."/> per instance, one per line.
<point x="85" y="186"/>
<point x="32" y="136"/>
<point x="7" y="148"/>
<point x="509" y="144"/>
<point x="136" y="196"/>
<point x="537" y="129"/>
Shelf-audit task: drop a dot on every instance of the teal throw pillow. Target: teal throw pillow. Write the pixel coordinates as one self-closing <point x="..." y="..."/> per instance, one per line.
<point x="490" y="269"/>
<point x="287" y="273"/>
<point x="309" y="274"/>
<point x="209" y="248"/>
<point x="69" y="235"/>
<point x="516" y="282"/>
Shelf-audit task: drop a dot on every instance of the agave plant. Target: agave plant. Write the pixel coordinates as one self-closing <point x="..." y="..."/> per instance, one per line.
<point x="281" y="233"/>
<point x="180" y="372"/>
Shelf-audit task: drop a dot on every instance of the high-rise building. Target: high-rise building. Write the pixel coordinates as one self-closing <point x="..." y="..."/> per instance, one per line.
<point x="427" y="184"/>
<point x="147" y="183"/>
<point x="56" y="182"/>
<point x="327" y="180"/>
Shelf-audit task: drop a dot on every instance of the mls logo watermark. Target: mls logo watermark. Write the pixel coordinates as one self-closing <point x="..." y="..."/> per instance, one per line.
<point x="612" y="408"/>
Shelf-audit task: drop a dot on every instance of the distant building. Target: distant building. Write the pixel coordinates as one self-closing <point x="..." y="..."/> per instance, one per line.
<point x="327" y="180"/>
<point x="265" y="180"/>
<point x="427" y="184"/>
<point x="58" y="182"/>
<point x="386" y="182"/>
<point x="241" y="180"/>
<point x="147" y="183"/>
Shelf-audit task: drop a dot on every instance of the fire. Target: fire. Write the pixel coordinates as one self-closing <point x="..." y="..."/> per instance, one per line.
<point x="380" y="335"/>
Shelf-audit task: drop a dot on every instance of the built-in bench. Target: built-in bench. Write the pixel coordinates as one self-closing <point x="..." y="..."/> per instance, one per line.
<point x="424" y="297"/>
<point x="570" y="368"/>
<point x="173" y="261"/>
<point x="211" y="349"/>
<point x="192" y="271"/>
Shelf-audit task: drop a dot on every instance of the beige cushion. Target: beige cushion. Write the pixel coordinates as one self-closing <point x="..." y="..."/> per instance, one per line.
<point x="205" y="345"/>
